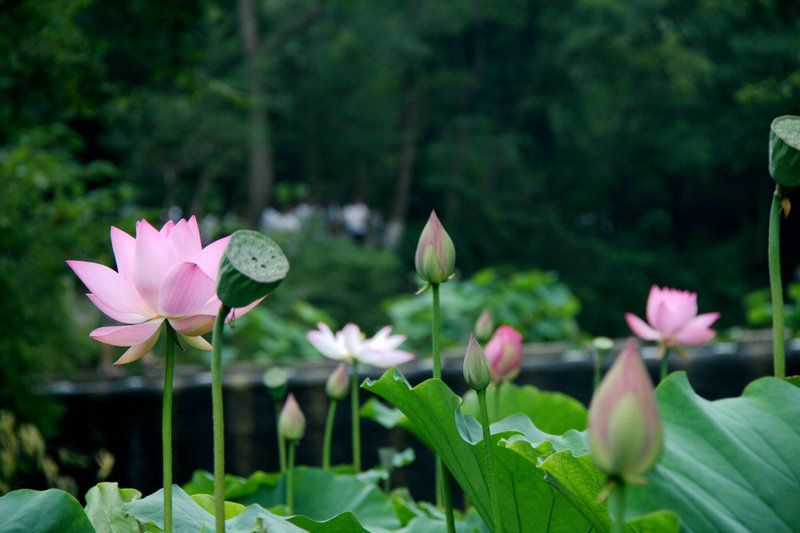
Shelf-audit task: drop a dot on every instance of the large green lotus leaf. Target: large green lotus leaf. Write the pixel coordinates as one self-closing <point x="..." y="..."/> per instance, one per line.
<point x="48" y="511"/>
<point x="321" y="494"/>
<point x="528" y="500"/>
<point x="730" y="465"/>
<point x="257" y="488"/>
<point x="580" y="481"/>
<point x="104" y="504"/>
<point x="552" y="412"/>
<point x="343" y="523"/>
<point x="190" y="517"/>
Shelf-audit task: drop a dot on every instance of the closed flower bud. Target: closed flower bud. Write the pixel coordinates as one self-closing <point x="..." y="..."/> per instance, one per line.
<point x="292" y="423"/>
<point x="477" y="372"/>
<point x="625" y="430"/>
<point x="435" y="259"/>
<point x="504" y="351"/>
<point x="338" y="383"/>
<point x="484" y="325"/>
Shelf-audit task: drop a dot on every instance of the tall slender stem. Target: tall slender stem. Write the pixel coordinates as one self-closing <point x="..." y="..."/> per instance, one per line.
<point x="290" y="478"/>
<point x="166" y="425"/>
<point x="356" y="417"/>
<point x="219" y="424"/>
<point x="618" y="507"/>
<point x="494" y="490"/>
<point x="444" y="494"/>
<point x="775" y="285"/>
<point x="326" y="441"/>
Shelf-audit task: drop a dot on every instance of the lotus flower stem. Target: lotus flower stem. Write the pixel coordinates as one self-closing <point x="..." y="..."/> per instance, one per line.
<point x="443" y="492"/>
<point x="356" y="417"/>
<point x="618" y="504"/>
<point x="664" y="368"/>
<point x="776" y="287"/>
<point x="166" y="425"/>
<point x="290" y="478"/>
<point x="219" y="424"/>
<point x="494" y="492"/>
<point x="326" y="441"/>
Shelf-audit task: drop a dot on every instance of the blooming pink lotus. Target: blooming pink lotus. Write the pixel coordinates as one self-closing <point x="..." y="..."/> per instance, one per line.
<point x="349" y="344"/>
<point x="161" y="275"/>
<point x="672" y="319"/>
<point x="504" y="351"/>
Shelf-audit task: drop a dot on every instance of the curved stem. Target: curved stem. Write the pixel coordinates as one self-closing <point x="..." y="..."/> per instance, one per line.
<point x="356" y="417"/>
<point x="775" y="285"/>
<point x="618" y="504"/>
<point x="166" y="425"/>
<point x="326" y="441"/>
<point x="218" y="416"/>
<point x="494" y="491"/>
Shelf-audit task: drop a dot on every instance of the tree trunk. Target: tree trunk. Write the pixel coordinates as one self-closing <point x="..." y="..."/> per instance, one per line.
<point x="409" y="126"/>
<point x="260" y="171"/>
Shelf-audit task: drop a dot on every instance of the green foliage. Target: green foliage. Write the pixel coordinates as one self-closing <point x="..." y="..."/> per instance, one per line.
<point x="104" y="504"/>
<point x="758" y="308"/>
<point x="726" y="465"/>
<point x="51" y="209"/>
<point x="49" y="511"/>
<point x="533" y="302"/>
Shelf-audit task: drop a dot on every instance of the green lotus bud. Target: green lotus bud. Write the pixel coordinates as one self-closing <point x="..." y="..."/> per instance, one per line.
<point x="252" y="266"/>
<point x="276" y="379"/>
<point x="477" y="371"/>
<point x="435" y="259"/>
<point x="625" y="433"/>
<point x="292" y="423"/>
<point x="484" y="326"/>
<point x="338" y="383"/>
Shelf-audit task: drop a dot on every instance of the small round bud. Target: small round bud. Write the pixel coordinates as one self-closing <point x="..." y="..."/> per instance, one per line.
<point x="477" y="372"/>
<point x="292" y="423"/>
<point x="435" y="259"/>
<point x="276" y="379"/>
<point x="338" y="383"/>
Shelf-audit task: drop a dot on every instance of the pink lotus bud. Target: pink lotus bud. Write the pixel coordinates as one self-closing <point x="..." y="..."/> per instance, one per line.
<point x="436" y="255"/>
<point x="625" y="433"/>
<point x="484" y="325"/>
<point x="477" y="372"/>
<point x="338" y="383"/>
<point x="504" y="351"/>
<point x="292" y="423"/>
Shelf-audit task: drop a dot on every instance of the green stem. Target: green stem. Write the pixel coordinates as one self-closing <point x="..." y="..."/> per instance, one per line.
<point x="496" y="413"/>
<point x="326" y="441"/>
<point x="443" y="494"/>
<point x="356" y="417"/>
<point x="437" y="319"/>
<point x="494" y="490"/>
<point x="218" y="416"/>
<point x="618" y="504"/>
<point x="775" y="285"/>
<point x="281" y="440"/>
<point x="166" y="425"/>
<point x="598" y="369"/>
<point x="290" y="478"/>
<point x="664" y="366"/>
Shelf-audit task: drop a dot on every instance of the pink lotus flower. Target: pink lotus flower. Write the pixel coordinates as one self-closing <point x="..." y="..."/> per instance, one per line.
<point x="504" y="351"/>
<point x="625" y="433"/>
<point x="161" y="275"/>
<point x="350" y="345"/>
<point x="672" y="319"/>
